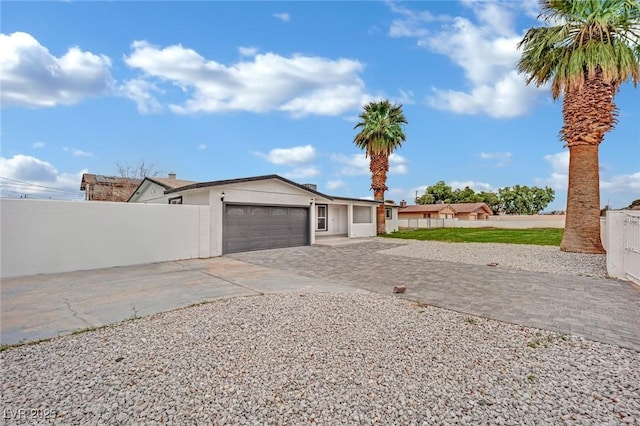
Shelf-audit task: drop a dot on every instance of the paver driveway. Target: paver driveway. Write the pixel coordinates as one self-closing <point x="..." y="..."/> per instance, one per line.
<point x="599" y="309"/>
<point x="45" y="306"/>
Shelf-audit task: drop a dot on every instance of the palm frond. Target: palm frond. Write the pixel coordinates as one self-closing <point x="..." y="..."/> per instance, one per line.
<point x="582" y="37"/>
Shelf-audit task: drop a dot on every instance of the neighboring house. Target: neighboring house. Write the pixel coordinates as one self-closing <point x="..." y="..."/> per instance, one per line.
<point x="107" y="188"/>
<point x="154" y="187"/>
<point x="471" y="211"/>
<point x="265" y="212"/>
<point x="462" y="211"/>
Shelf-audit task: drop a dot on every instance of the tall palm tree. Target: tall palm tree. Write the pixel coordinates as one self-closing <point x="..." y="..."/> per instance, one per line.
<point x="588" y="49"/>
<point x="381" y="133"/>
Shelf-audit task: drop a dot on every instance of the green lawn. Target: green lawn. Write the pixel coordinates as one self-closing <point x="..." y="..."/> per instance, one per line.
<point x="538" y="236"/>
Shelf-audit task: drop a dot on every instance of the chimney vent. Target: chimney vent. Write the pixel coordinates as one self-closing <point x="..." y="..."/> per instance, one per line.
<point x="311" y="186"/>
<point x="403" y="204"/>
<point x="172" y="175"/>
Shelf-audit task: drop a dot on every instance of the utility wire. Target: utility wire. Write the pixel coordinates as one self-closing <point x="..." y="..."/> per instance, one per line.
<point x="30" y="184"/>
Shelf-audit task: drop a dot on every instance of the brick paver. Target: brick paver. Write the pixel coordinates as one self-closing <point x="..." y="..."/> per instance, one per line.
<point x="603" y="310"/>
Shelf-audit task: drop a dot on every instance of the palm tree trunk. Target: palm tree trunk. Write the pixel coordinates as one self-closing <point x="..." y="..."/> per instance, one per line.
<point x="588" y="114"/>
<point x="379" y="165"/>
<point x="582" y="226"/>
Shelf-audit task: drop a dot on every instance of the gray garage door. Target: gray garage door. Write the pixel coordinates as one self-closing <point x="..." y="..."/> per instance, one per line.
<point x="249" y="228"/>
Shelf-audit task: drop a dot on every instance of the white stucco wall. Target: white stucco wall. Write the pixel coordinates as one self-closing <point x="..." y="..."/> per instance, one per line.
<point x="42" y="236"/>
<point x="621" y="264"/>
<point x="524" y="223"/>
<point x="391" y="225"/>
<point x="361" y="230"/>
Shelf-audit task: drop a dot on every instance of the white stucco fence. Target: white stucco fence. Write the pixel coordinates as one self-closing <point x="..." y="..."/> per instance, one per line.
<point x="622" y="241"/>
<point x="41" y="236"/>
<point x="506" y="222"/>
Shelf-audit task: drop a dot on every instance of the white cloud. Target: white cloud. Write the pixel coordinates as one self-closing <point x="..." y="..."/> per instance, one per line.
<point x="24" y="174"/>
<point x="559" y="177"/>
<point x="77" y="152"/>
<point x="412" y="23"/>
<point x="38" y="145"/>
<point x="502" y="158"/>
<point x="620" y="189"/>
<point x="31" y="76"/>
<point x="397" y="195"/>
<point x="487" y="52"/>
<point x="27" y="168"/>
<point x="355" y="165"/>
<point x="300" y="85"/>
<point x="292" y="156"/>
<point x="358" y="164"/>
<point x="248" y="51"/>
<point x="476" y="186"/>
<point x="406" y="97"/>
<point x="284" y="16"/>
<point x="622" y="183"/>
<point x="302" y="172"/>
<point x="140" y="91"/>
<point x="202" y="146"/>
<point x="398" y="164"/>
<point x="335" y="184"/>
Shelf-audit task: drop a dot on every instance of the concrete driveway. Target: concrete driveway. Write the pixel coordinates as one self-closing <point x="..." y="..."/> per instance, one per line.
<point x="44" y="306"/>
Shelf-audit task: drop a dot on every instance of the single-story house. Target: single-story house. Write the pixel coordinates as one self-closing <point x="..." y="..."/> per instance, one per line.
<point x="462" y="211"/>
<point x="151" y="188"/>
<point x="263" y="212"/>
<point x="107" y="188"/>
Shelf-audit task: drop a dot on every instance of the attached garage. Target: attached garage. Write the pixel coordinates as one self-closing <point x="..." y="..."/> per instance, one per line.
<point x="263" y="212"/>
<point x="259" y="227"/>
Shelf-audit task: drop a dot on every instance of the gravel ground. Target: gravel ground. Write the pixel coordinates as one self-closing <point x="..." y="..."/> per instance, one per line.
<point x="518" y="256"/>
<point x="319" y="358"/>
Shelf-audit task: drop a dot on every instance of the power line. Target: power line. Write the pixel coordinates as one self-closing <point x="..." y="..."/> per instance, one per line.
<point x="30" y="184"/>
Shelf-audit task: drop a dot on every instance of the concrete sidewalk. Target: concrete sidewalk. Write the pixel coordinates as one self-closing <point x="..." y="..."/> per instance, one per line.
<point x="44" y="306"/>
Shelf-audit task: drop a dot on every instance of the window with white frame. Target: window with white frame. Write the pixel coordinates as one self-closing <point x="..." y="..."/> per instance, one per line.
<point x="388" y="213"/>
<point x="321" y="216"/>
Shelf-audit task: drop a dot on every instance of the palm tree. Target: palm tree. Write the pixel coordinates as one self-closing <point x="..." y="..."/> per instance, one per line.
<point x="588" y="49"/>
<point x="381" y="133"/>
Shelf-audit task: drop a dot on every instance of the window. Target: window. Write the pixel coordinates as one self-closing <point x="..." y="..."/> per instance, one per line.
<point x="176" y="200"/>
<point x="361" y="214"/>
<point x="388" y="213"/>
<point x="321" y="215"/>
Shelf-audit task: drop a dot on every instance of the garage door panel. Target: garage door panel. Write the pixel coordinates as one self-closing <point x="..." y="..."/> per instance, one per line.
<point x="249" y="228"/>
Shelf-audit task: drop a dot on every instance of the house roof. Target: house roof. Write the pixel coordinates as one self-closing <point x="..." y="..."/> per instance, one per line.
<point x="170" y="183"/>
<point x="456" y="207"/>
<point x="470" y="207"/>
<point x="91" y="179"/>
<point x="423" y="208"/>
<point x="167" y="183"/>
<point x="197" y="185"/>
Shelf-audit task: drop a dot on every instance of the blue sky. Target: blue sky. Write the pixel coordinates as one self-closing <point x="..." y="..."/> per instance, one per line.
<point x="221" y="90"/>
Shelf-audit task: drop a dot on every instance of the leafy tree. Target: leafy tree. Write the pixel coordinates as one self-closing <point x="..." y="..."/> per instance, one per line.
<point x="492" y="200"/>
<point x="524" y="200"/>
<point x="381" y="133"/>
<point x="466" y="195"/>
<point x="587" y="50"/>
<point x="425" y="198"/>
<point x="634" y="204"/>
<point x="441" y="192"/>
